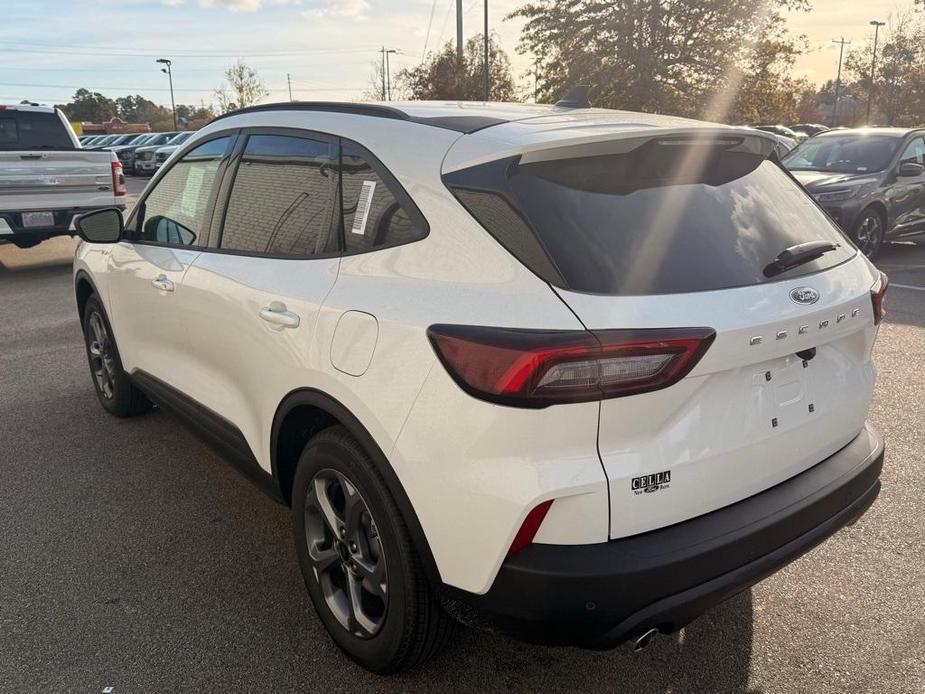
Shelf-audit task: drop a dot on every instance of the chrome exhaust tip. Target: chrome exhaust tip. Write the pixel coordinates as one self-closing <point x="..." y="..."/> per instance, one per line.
<point x="644" y="639"/>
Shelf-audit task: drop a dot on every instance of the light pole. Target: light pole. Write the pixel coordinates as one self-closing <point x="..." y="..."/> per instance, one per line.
<point x="173" y="105"/>
<point x="487" y="79"/>
<point x="386" y="74"/>
<point x="873" y="66"/>
<point x="841" y="52"/>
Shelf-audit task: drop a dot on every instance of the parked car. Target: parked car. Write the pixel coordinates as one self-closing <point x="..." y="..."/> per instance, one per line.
<point x="809" y="129"/>
<point x="126" y="152"/>
<point x="870" y="180"/>
<point x="784" y="131"/>
<point x="146" y="155"/>
<point x="90" y="141"/>
<point x="46" y="178"/>
<point x="103" y="142"/>
<point x="162" y="154"/>
<point x="573" y="373"/>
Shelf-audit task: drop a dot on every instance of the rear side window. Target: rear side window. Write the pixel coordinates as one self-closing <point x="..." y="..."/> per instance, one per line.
<point x="284" y="198"/>
<point x="177" y="212"/>
<point x="377" y="213"/>
<point x="666" y="217"/>
<point x="26" y="130"/>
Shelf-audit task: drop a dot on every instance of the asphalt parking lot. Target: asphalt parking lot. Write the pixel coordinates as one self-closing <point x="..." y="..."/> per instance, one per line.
<point x="133" y="558"/>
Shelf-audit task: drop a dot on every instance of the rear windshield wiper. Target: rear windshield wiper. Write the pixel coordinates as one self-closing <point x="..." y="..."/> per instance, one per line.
<point x="797" y="255"/>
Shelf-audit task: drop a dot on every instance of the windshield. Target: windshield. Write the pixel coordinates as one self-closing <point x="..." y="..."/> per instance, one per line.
<point x="852" y="153"/>
<point x="661" y="219"/>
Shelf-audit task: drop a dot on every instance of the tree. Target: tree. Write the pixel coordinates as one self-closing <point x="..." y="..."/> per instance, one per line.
<point x="899" y="82"/>
<point x="244" y="88"/>
<point x="137" y="109"/>
<point x="441" y="76"/>
<point x="664" y="56"/>
<point x="89" y="106"/>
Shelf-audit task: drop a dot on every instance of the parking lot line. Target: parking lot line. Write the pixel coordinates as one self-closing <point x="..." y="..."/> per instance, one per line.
<point x="907" y="286"/>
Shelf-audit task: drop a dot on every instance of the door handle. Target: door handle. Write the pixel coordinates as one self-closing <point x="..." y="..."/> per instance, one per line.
<point x="277" y="314"/>
<point x="162" y="283"/>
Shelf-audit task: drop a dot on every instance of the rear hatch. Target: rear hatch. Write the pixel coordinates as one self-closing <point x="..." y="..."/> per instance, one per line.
<point x="680" y="230"/>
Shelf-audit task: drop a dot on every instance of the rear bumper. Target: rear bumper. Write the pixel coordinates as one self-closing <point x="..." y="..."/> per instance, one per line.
<point x="600" y="595"/>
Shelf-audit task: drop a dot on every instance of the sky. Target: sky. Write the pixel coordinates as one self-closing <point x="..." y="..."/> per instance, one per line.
<point x="329" y="48"/>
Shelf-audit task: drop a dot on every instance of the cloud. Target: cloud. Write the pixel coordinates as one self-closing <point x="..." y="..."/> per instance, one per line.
<point x="233" y="5"/>
<point x="339" y="8"/>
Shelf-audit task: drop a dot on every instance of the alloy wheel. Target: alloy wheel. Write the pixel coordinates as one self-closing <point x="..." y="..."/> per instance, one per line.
<point x="869" y="234"/>
<point x="346" y="553"/>
<point x="102" y="363"/>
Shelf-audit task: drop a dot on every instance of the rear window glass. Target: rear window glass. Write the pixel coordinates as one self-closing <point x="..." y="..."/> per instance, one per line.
<point x="663" y="218"/>
<point x="25" y="130"/>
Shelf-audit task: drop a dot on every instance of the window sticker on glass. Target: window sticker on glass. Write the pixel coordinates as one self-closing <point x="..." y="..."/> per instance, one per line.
<point x="363" y="204"/>
<point x="190" y="200"/>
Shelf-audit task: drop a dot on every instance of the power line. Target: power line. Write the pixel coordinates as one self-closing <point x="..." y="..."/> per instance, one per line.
<point x="433" y="7"/>
<point x="188" y="56"/>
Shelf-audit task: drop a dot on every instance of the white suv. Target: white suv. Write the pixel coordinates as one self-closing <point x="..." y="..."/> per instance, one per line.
<point x="573" y="373"/>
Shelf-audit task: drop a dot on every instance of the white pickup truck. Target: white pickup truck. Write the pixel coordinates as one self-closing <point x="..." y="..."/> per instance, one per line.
<point x="46" y="179"/>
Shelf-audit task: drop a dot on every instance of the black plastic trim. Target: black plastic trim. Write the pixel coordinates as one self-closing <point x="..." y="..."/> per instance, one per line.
<point x="217" y="432"/>
<point x="326" y="403"/>
<point x="462" y="124"/>
<point x="602" y="594"/>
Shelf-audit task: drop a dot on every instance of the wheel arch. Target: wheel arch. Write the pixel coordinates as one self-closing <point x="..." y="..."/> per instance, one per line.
<point x="84" y="288"/>
<point x="305" y="412"/>
<point x="880" y="207"/>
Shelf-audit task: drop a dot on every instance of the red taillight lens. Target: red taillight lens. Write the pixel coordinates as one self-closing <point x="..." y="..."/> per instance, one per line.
<point x="877" y="295"/>
<point x="529" y="527"/>
<point x="537" y="368"/>
<point x="118" y="179"/>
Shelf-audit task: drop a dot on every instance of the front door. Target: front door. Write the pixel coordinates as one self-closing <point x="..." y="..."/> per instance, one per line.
<point x="164" y="235"/>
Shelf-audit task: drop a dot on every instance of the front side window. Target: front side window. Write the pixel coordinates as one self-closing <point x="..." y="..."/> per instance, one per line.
<point x="284" y="198"/>
<point x="178" y="211"/>
<point x="914" y="152"/>
<point x="376" y="213"/>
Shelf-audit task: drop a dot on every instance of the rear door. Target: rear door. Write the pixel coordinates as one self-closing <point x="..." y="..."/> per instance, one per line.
<point x="675" y="233"/>
<point x="256" y="293"/>
<point x="165" y="234"/>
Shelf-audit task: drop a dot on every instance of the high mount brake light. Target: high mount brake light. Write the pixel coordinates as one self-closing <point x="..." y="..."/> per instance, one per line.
<point x="537" y="368"/>
<point x="877" y="294"/>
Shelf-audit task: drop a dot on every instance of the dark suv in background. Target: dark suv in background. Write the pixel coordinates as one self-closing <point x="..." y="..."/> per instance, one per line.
<point x="871" y="180"/>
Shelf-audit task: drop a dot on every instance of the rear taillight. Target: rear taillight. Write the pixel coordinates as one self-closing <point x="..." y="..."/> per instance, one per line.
<point x="529" y="527"/>
<point x="877" y="294"/>
<point x="118" y="179"/>
<point x="537" y="368"/>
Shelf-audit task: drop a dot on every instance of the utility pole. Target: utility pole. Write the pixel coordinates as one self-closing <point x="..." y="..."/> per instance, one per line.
<point x="173" y="106"/>
<point x="388" y="77"/>
<point x="289" y="82"/>
<point x="487" y="78"/>
<point x="536" y="80"/>
<point x="841" y="52"/>
<point x="873" y="66"/>
<point x="459" y="39"/>
<point x="383" y="73"/>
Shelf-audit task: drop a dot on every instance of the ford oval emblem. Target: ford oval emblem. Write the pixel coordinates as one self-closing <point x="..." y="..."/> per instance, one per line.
<point x="804" y="295"/>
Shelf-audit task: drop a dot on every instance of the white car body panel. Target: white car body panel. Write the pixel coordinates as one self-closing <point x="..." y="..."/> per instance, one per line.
<point x="471" y="491"/>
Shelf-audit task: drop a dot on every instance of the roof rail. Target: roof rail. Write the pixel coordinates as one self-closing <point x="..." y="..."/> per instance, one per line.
<point x="463" y="124"/>
<point x="331" y="106"/>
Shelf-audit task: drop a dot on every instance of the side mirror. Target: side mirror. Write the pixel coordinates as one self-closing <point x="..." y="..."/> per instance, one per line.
<point x="100" y="226"/>
<point x="910" y="169"/>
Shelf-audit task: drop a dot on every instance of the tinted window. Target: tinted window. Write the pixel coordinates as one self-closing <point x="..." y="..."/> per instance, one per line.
<point x="24" y="130"/>
<point x="914" y="152"/>
<point x="851" y="153"/>
<point x="663" y="218"/>
<point x="284" y="198"/>
<point x="376" y="214"/>
<point x="177" y="211"/>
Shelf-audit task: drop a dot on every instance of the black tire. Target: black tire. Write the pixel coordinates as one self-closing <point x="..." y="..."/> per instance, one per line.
<point x="869" y="232"/>
<point x="120" y="397"/>
<point x="413" y="626"/>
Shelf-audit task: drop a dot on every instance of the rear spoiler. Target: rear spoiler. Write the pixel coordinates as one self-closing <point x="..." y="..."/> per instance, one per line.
<point x="599" y="141"/>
